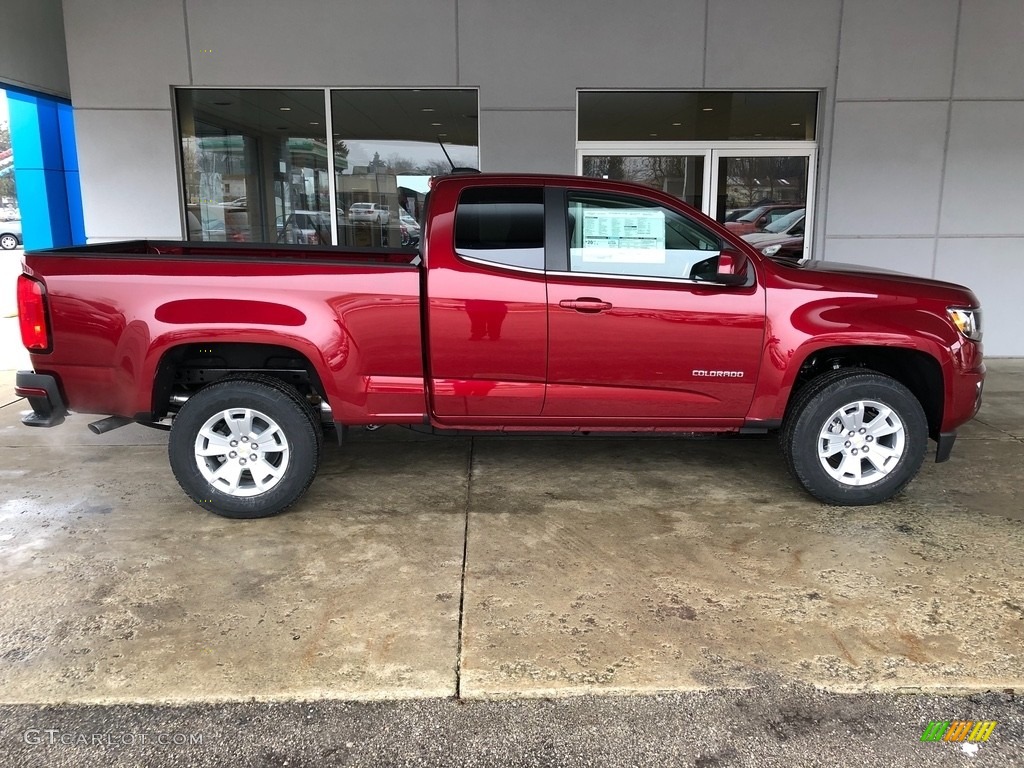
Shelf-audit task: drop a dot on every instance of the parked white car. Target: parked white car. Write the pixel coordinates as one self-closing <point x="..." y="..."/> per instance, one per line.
<point x="371" y="212"/>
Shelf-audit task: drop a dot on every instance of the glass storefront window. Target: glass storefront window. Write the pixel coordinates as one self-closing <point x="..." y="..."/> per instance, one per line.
<point x="254" y="164"/>
<point x="257" y="164"/>
<point x="697" y="115"/>
<point x="387" y="145"/>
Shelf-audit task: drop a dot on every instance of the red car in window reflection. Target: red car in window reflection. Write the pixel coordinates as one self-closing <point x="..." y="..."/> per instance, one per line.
<point x="783" y="238"/>
<point x="760" y="217"/>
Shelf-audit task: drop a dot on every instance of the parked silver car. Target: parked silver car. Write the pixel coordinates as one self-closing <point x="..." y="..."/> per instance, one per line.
<point x="10" y="235"/>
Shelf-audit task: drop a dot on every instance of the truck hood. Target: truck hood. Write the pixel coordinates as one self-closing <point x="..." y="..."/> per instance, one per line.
<point x="883" y="280"/>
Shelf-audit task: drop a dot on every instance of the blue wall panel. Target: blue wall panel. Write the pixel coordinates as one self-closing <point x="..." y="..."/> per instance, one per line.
<point x="46" y="171"/>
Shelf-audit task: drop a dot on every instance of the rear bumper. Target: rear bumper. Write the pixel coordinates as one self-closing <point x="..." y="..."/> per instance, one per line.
<point x="48" y="409"/>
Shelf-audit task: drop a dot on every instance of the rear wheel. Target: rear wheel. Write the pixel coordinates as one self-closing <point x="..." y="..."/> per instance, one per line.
<point x="8" y="242"/>
<point x="854" y="437"/>
<point x="245" y="448"/>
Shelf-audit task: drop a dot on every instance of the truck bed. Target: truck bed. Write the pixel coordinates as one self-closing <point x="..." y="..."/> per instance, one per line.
<point x="117" y="309"/>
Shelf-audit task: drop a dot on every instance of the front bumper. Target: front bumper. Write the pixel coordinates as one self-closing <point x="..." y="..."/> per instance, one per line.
<point x="48" y="409"/>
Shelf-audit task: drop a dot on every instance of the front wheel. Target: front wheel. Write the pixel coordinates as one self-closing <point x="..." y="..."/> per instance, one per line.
<point x="855" y="437"/>
<point x="244" y="448"/>
<point x="8" y="242"/>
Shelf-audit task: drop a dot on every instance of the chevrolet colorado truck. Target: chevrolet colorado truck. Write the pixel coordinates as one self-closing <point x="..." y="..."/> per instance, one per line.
<point x="548" y="304"/>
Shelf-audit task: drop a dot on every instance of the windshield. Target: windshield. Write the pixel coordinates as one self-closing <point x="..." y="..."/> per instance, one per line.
<point x="781" y="225"/>
<point x="754" y="215"/>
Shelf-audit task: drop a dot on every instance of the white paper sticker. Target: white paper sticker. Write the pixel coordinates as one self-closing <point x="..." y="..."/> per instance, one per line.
<point x="624" y="236"/>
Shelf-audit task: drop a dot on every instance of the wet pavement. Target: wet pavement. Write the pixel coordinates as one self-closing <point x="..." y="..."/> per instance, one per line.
<point x="614" y="565"/>
<point x="425" y="567"/>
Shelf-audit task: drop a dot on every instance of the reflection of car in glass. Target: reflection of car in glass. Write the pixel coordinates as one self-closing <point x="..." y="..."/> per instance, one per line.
<point x="200" y="229"/>
<point x="783" y="238"/>
<point x="760" y="217"/>
<point x="371" y="212"/>
<point x="10" y="235"/>
<point x="410" y="229"/>
<point x="734" y="213"/>
<point x="306" y="228"/>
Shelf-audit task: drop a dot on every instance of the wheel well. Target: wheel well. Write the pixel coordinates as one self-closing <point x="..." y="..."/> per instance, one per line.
<point x="186" y="369"/>
<point x="917" y="371"/>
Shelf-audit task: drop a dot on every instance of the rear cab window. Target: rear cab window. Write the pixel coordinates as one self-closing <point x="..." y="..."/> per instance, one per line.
<point x="501" y="225"/>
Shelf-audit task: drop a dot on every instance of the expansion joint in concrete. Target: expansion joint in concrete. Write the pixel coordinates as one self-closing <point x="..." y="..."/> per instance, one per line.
<point x="462" y="585"/>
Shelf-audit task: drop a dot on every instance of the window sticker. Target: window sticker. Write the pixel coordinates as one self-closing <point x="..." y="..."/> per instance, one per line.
<point x="623" y="237"/>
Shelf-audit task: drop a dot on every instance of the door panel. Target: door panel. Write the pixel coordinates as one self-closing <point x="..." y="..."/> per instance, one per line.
<point x="487" y="356"/>
<point x="487" y="315"/>
<point x="668" y="351"/>
<point x="631" y="334"/>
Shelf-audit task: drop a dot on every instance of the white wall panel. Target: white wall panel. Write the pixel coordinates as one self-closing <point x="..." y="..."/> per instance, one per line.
<point x="912" y="256"/>
<point x="897" y="50"/>
<point x="129" y="176"/>
<point x="779" y="44"/>
<point x="311" y="42"/>
<point x="32" y="49"/>
<point x="886" y="168"/>
<point x="528" y="142"/>
<point x="984" y="185"/>
<point x="125" y="53"/>
<point x="991" y="267"/>
<point x="990" y="55"/>
<point x="536" y="53"/>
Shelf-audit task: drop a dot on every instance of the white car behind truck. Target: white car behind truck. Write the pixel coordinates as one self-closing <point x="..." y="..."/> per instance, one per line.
<point x="369" y="212"/>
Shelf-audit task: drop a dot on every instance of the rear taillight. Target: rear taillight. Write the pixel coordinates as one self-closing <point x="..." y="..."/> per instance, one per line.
<point x="35" y="326"/>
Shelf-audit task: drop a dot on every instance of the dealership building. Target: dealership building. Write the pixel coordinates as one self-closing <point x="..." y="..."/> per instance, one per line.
<point x="897" y="126"/>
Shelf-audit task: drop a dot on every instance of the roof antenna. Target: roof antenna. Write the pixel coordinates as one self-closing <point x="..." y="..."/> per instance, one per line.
<point x="455" y="168"/>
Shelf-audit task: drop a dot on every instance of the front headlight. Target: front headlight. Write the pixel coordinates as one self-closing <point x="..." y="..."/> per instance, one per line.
<point x="967" y="321"/>
<point x="771" y="250"/>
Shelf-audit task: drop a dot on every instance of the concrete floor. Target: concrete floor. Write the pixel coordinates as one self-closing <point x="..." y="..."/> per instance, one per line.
<point x="590" y="566"/>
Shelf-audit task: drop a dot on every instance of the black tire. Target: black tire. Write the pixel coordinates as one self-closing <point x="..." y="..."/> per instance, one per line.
<point x="811" y="414"/>
<point x="8" y="241"/>
<point x="283" y="419"/>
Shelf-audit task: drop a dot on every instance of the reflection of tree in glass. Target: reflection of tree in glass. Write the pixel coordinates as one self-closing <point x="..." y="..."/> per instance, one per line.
<point x="679" y="175"/>
<point x="759" y="180"/>
<point x="7" y="180"/>
<point x="399" y="164"/>
<point x="340" y="155"/>
<point x="653" y="171"/>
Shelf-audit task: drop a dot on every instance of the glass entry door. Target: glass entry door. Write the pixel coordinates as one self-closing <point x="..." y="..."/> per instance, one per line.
<point x="761" y="191"/>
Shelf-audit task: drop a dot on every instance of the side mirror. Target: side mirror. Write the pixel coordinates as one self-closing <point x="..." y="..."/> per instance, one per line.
<point x="732" y="268"/>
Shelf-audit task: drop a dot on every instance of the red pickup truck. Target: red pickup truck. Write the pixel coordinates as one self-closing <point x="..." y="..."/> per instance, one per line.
<point x="547" y="304"/>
